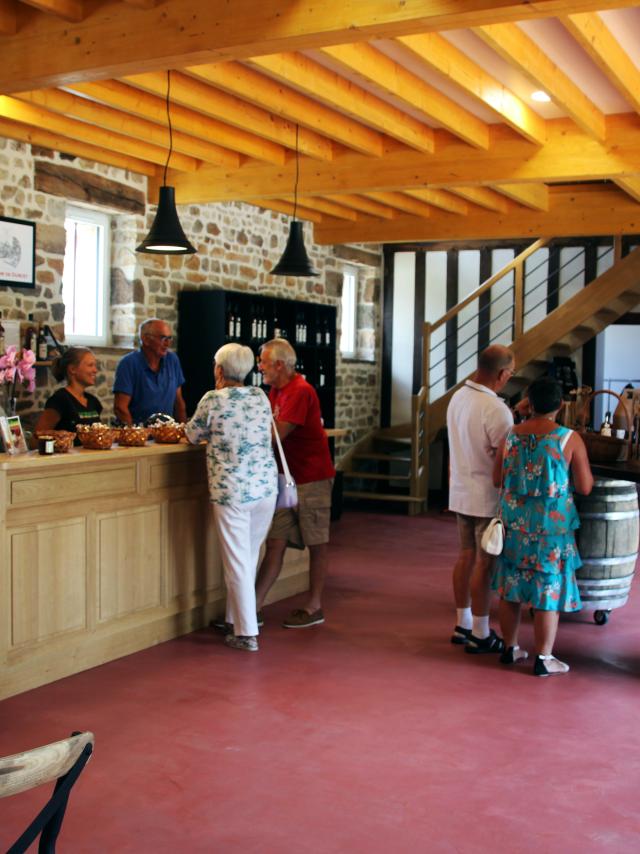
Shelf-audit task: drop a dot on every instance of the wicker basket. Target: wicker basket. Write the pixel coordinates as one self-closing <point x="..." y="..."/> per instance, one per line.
<point x="95" y="437"/>
<point x="62" y="441"/>
<point x="132" y="437"/>
<point x="606" y="449"/>
<point x="168" y="433"/>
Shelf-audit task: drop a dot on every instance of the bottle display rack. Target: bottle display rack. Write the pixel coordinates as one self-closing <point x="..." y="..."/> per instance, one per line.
<point x="209" y="319"/>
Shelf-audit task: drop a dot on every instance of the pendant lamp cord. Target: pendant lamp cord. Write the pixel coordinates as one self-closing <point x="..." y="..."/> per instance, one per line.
<point x="295" y="186"/>
<point x="166" y="165"/>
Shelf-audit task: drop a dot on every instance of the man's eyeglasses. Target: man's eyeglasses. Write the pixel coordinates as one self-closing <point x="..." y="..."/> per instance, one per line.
<point x="166" y="339"/>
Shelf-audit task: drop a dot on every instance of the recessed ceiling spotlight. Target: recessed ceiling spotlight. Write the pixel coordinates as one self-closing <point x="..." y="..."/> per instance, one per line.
<point x="541" y="96"/>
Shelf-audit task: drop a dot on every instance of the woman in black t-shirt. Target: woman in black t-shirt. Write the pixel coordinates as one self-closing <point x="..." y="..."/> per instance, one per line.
<point x="71" y="405"/>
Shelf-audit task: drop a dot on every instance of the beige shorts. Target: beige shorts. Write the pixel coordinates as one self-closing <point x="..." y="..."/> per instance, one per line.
<point x="307" y="524"/>
<point x="470" y="530"/>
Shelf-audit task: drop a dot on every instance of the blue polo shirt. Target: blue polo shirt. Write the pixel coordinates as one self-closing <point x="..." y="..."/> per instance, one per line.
<point x="150" y="391"/>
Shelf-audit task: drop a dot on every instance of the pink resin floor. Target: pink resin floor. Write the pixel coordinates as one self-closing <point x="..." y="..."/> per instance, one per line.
<point x="369" y="734"/>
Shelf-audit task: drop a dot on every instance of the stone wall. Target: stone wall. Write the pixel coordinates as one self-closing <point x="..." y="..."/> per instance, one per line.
<point x="237" y="245"/>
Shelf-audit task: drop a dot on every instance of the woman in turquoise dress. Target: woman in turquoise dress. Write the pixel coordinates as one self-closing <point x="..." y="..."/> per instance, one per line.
<point x="537" y="565"/>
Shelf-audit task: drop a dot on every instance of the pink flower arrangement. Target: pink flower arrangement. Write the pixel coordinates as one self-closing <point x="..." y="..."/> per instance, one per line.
<point x="17" y="366"/>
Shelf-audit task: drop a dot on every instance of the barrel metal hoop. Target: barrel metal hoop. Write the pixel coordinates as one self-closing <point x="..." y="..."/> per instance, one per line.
<point x="613" y="515"/>
<point x="610" y="561"/>
<point x="616" y="496"/>
<point x="604" y="481"/>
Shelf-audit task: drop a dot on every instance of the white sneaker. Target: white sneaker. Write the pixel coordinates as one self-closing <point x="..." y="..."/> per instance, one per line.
<point x="248" y="644"/>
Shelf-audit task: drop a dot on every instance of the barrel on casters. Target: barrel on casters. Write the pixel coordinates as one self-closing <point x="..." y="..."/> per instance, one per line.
<point x="608" y="545"/>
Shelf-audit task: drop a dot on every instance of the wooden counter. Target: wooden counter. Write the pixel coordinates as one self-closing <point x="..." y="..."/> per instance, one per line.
<point x="629" y="470"/>
<point x="104" y="553"/>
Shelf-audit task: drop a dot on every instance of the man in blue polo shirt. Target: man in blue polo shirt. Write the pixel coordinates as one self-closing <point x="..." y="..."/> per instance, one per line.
<point x="149" y="380"/>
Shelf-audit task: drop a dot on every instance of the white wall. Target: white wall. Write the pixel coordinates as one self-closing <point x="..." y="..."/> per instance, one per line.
<point x="435" y="307"/>
<point x="402" y="347"/>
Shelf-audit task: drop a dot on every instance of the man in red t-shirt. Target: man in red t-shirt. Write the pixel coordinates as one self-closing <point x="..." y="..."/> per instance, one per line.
<point x="296" y="411"/>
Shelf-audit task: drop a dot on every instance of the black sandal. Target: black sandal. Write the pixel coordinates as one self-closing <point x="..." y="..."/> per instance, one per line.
<point x="493" y="643"/>
<point x="540" y="668"/>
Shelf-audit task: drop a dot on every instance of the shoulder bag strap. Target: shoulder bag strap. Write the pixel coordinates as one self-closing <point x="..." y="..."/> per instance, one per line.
<point x="506" y="439"/>
<point x="283" y="459"/>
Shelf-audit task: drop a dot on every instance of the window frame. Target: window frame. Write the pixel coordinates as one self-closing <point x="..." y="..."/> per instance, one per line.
<point x="349" y="271"/>
<point x="78" y="213"/>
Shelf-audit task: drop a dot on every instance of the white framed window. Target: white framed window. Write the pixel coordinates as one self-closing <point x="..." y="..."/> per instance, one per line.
<point x="85" y="279"/>
<point x="349" y="307"/>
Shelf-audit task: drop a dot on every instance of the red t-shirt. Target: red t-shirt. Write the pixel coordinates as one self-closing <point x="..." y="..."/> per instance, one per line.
<point x="306" y="447"/>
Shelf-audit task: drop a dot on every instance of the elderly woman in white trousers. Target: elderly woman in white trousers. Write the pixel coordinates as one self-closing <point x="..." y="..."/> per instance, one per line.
<point x="235" y="420"/>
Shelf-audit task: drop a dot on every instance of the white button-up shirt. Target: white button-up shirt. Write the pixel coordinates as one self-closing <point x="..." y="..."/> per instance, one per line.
<point x="477" y="421"/>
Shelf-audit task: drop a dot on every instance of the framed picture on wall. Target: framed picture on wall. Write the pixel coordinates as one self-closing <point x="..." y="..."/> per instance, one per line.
<point x="17" y="252"/>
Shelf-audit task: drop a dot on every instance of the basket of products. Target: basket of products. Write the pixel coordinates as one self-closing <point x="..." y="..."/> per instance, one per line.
<point x="132" y="437"/>
<point x="603" y="447"/>
<point x="62" y="441"/>
<point x="168" y="432"/>
<point x="95" y="437"/>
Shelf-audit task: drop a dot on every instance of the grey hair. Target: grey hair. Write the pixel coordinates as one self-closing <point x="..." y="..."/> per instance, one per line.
<point x="142" y="329"/>
<point x="282" y="350"/>
<point x="236" y="361"/>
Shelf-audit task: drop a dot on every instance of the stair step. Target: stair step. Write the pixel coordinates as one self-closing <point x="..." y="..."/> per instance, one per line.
<point x="381" y="496"/>
<point x="367" y="475"/>
<point x="379" y="456"/>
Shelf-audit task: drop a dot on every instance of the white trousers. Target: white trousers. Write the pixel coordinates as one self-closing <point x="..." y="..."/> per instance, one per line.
<point x="241" y="529"/>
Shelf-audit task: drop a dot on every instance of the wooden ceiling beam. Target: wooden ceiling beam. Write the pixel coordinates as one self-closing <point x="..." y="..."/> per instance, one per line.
<point x="8" y="18"/>
<point x="396" y="80"/>
<point x="339" y="93"/>
<point x="29" y="114"/>
<point x="325" y="206"/>
<point x="147" y="106"/>
<point x="569" y="155"/>
<point x="483" y="197"/>
<point x="318" y="124"/>
<point x="286" y="207"/>
<point x="573" y="212"/>
<point x="516" y="48"/>
<point x="596" y="39"/>
<point x="440" y="199"/>
<point x="631" y="186"/>
<point x="402" y="202"/>
<point x="73" y="106"/>
<point x="535" y="196"/>
<point x="364" y="205"/>
<point x="441" y="56"/>
<point x="68" y="10"/>
<point x="57" y="142"/>
<point x="119" y="39"/>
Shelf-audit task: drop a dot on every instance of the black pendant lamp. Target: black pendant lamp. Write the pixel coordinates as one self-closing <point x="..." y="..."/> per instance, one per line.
<point x="294" y="260"/>
<point x="166" y="236"/>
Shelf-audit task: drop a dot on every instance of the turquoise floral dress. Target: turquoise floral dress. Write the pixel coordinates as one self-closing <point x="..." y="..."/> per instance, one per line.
<point x="537" y="565"/>
<point x="236" y="424"/>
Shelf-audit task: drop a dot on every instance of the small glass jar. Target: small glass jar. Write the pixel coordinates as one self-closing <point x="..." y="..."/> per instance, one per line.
<point x="46" y="445"/>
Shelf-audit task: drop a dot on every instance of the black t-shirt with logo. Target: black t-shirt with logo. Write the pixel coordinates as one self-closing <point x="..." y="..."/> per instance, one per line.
<point x="71" y="411"/>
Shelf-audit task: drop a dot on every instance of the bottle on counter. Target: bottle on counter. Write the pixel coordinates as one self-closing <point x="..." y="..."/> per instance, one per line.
<point x="605" y="430"/>
<point x="31" y="336"/>
<point x="43" y="350"/>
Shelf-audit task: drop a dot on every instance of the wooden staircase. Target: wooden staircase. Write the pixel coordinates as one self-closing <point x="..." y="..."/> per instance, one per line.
<point x="390" y="465"/>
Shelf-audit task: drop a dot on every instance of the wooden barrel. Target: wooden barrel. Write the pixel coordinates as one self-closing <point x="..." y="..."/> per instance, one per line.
<point x="608" y="543"/>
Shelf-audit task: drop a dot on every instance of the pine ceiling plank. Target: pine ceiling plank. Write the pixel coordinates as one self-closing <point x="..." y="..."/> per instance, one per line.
<point x="283" y="206"/>
<point x="68" y="10"/>
<point x="440" y="55"/>
<point x="283" y="101"/>
<point x="569" y="155"/>
<point x="143" y="4"/>
<point x="341" y="94"/>
<point x="631" y="186"/>
<point x="364" y="204"/>
<point x="514" y="46"/>
<point x="328" y="207"/>
<point x="534" y="196"/>
<point x="8" y="17"/>
<point x="212" y="102"/>
<point x="402" y="202"/>
<point x="57" y="142"/>
<point x="408" y="87"/>
<point x="154" y="108"/>
<point x="118" y="39"/>
<point x="483" y="197"/>
<point x="76" y="107"/>
<point x="592" y="34"/>
<point x="440" y="199"/>
<point x="573" y="212"/>
<point x="19" y="111"/>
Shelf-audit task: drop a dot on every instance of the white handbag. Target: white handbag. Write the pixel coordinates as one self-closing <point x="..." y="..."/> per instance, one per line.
<point x="492" y="540"/>
<point x="287" y="491"/>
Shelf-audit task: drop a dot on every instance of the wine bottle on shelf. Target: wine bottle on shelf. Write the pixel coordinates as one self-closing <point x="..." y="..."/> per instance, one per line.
<point x="254" y="325"/>
<point x="231" y="323"/>
<point x="31" y="338"/>
<point x="318" y="334"/>
<point x="277" y="331"/>
<point x="322" y="377"/>
<point x="43" y="349"/>
<point x="238" y="327"/>
<point x="327" y="333"/>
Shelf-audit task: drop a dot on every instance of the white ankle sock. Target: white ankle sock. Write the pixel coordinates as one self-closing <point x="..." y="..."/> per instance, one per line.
<point x="480" y="627"/>
<point x="464" y="618"/>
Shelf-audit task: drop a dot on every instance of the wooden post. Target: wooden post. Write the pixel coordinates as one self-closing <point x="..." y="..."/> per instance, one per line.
<point x="518" y="301"/>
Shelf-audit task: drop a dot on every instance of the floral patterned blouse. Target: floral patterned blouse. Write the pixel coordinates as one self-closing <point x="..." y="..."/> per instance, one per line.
<point x="236" y="423"/>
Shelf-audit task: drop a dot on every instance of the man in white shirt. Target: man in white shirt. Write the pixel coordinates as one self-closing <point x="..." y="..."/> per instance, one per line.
<point x="477" y="421"/>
